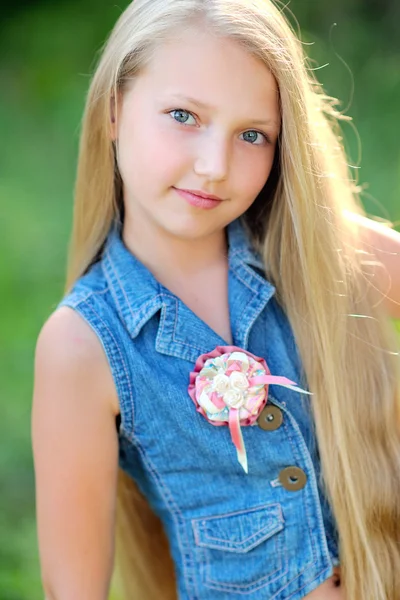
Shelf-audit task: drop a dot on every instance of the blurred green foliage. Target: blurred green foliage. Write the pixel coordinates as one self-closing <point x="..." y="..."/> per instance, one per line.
<point x="47" y="53"/>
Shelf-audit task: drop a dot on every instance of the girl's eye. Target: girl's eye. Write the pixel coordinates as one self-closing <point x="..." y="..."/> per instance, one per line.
<point x="256" y="138"/>
<point x="253" y="136"/>
<point x="180" y="115"/>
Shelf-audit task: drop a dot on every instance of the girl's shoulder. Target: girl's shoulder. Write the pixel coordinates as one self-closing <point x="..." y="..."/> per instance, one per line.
<point x="69" y="353"/>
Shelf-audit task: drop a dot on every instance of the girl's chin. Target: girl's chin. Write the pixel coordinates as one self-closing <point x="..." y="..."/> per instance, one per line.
<point x="189" y="226"/>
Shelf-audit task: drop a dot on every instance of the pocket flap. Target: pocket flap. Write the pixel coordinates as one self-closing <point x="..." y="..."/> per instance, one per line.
<point x="239" y="531"/>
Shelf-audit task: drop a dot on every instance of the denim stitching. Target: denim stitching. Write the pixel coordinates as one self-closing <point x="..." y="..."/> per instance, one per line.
<point x="263" y="281"/>
<point x="258" y="583"/>
<point x="115" y="296"/>
<point x="245" y="283"/>
<point x="245" y="332"/>
<point x="67" y="301"/>
<point x="241" y="254"/>
<point x="197" y="524"/>
<point x="117" y="369"/>
<point x="243" y="329"/>
<point x="310" y="563"/>
<point x="174" y="510"/>
<point x="201" y="521"/>
<point x="162" y="324"/>
<point x="308" y="520"/>
<point x="176" y="340"/>
<point x="242" y="512"/>
<point x="315" y="489"/>
<point x="302" y="587"/>
<point x="298" y="459"/>
<point x="139" y="322"/>
<point x="226" y="544"/>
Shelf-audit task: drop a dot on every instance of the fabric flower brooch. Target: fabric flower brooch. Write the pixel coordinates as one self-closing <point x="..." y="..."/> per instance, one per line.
<point x="229" y="386"/>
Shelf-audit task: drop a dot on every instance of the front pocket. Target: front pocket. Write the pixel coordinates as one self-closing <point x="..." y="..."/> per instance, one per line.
<point x="241" y="551"/>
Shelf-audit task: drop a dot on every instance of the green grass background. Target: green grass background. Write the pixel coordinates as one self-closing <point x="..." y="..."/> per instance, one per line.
<point x="47" y="53"/>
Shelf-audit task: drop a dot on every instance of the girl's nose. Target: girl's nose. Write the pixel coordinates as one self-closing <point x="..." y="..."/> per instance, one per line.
<point x="212" y="158"/>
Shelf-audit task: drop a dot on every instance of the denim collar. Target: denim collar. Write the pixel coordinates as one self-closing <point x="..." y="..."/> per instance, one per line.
<point x="138" y="295"/>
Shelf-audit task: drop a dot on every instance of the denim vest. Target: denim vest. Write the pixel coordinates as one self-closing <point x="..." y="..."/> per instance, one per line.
<point x="268" y="534"/>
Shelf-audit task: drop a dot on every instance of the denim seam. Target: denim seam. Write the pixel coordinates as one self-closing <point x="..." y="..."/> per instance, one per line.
<point x="194" y="346"/>
<point x="245" y="283"/>
<point x="199" y="521"/>
<point x="117" y="371"/>
<point x="254" y="585"/>
<point x="321" y="527"/>
<point x="241" y="254"/>
<point x="245" y="325"/>
<point x="135" y="317"/>
<point x="299" y="588"/>
<point x="161" y="326"/>
<point x="85" y="298"/>
<point x="295" y="454"/>
<point x="254" y="274"/>
<point x="306" y="508"/>
<point x="224" y="544"/>
<point x="311" y="563"/>
<point x="258" y="583"/>
<point x="177" y="340"/>
<point x="174" y="510"/>
<point x="242" y="512"/>
<point x="115" y="295"/>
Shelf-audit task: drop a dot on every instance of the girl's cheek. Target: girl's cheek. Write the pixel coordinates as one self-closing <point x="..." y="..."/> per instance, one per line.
<point x="166" y="153"/>
<point x="254" y="172"/>
<point x="169" y="150"/>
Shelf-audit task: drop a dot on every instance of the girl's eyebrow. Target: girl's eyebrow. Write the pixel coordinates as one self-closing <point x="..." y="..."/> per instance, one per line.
<point x="205" y="106"/>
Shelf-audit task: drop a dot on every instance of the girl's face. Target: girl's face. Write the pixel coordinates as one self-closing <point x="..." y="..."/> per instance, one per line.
<point x="204" y="115"/>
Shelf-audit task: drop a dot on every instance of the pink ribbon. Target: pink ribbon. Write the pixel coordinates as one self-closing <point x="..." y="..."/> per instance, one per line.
<point x="273" y="379"/>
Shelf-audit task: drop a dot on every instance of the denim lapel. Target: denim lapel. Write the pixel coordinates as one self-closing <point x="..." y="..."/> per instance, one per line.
<point x="139" y="296"/>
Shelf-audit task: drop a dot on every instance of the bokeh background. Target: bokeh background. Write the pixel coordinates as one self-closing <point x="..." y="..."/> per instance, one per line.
<point x="47" y="54"/>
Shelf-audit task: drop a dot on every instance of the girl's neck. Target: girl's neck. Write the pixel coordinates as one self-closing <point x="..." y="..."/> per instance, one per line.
<point x="169" y="257"/>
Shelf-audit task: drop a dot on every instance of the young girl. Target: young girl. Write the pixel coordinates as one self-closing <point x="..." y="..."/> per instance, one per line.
<point x="225" y="336"/>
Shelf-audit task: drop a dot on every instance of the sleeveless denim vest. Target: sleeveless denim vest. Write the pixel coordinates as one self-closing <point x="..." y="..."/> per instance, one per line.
<point x="268" y="534"/>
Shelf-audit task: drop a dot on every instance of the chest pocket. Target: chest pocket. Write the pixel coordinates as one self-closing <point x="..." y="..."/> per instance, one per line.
<point x="242" y="551"/>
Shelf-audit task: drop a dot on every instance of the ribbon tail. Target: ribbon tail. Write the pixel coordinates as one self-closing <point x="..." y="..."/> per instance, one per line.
<point x="296" y="389"/>
<point x="277" y="380"/>
<point x="237" y="437"/>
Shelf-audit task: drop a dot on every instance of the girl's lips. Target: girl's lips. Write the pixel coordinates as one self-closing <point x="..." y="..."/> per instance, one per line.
<point x="198" y="201"/>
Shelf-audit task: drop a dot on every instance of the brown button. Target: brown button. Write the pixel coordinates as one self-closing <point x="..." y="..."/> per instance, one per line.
<point x="270" y="418"/>
<point x="293" y="479"/>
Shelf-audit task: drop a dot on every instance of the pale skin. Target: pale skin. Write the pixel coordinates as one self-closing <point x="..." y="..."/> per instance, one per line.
<point x="75" y="402"/>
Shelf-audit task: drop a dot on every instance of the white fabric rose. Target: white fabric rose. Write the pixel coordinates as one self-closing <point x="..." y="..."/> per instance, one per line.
<point x="238" y="381"/>
<point x="220" y="384"/>
<point x="234" y="398"/>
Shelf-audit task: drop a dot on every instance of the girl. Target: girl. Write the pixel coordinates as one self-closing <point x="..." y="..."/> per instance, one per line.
<point x="221" y="268"/>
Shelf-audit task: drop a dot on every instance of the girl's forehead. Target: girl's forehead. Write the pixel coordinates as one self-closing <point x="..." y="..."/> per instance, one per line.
<point x="212" y="70"/>
<point x="199" y="50"/>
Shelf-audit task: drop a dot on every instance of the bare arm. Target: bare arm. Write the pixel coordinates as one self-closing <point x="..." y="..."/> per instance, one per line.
<point x="75" y="449"/>
<point x="384" y="242"/>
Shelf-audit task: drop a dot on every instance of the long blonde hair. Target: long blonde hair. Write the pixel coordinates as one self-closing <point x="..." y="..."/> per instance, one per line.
<point x="312" y="255"/>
